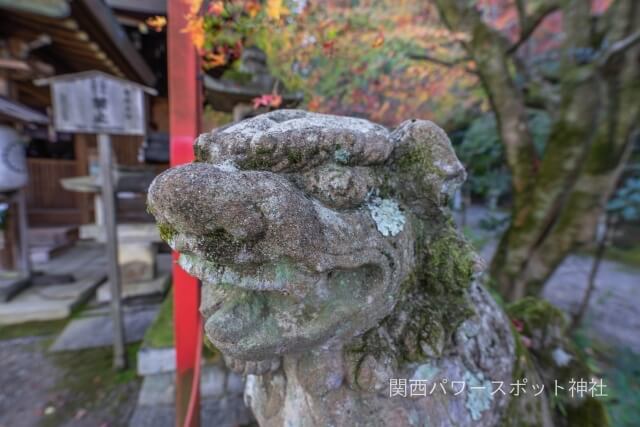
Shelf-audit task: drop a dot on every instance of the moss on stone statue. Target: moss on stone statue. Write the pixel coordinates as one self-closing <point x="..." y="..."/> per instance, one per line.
<point x="419" y="159"/>
<point x="415" y="158"/>
<point x="294" y="156"/>
<point x="199" y="153"/>
<point x="218" y="243"/>
<point x="167" y="233"/>
<point x="434" y="300"/>
<point x="445" y="275"/>
<point x="262" y="158"/>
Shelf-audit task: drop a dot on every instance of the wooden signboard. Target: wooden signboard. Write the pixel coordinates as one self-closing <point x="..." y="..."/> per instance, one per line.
<point x="98" y="103"/>
<point x="95" y="102"/>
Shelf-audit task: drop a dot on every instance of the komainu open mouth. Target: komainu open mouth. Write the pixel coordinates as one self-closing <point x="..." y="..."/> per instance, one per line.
<point x="279" y="276"/>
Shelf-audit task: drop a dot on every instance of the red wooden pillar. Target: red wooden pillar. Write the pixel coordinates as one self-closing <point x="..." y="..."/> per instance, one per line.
<point x="184" y="126"/>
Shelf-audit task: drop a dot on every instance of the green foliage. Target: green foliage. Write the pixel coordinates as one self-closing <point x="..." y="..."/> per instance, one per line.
<point x="626" y="201"/>
<point x="236" y="75"/>
<point x="621" y="373"/>
<point x="354" y="59"/>
<point x="483" y="155"/>
<point x="160" y="333"/>
<point x="624" y="389"/>
<point x="494" y="222"/>
<point x="476" y="239"/>
<point x="629" y="256"/>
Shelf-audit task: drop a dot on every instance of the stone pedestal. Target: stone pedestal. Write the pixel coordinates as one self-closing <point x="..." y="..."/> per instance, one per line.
<point x="137" y="261"/>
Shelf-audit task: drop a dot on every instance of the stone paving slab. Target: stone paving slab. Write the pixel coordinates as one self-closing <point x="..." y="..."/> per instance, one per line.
<point x="153" y="361"/>
<point x="97" y="331"/>
<point x="224" y="412"/>
<point x="10" y="285"/>
<point x="221" y="400"/>
<point x="82" y="260"/>
<point x="48" y="302"/>
<point x="159" y="389"/>
<point x="156" y="286"/>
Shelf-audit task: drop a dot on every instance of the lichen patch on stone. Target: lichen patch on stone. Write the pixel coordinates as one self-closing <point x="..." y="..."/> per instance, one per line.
<point x="478" y="394"/>
<point x="341" y="156"/>
<point x="425" y="372"/>
<point x="227" y="166"/>
<point x="387" y="215"/>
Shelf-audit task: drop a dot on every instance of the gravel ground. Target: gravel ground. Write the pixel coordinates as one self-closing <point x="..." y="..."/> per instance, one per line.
<point x="73" y="389"/>
<point x="612" y="316"/>
<point x="26" y="378"/>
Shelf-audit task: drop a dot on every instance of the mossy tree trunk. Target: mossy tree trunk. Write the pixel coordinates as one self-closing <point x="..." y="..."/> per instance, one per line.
<point x="595" y="105"/>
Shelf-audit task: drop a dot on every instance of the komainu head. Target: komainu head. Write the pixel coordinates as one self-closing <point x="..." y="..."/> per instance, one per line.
<point x="308" y="229"/>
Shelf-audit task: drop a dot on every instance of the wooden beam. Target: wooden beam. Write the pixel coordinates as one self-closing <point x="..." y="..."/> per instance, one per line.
<point x="14" y="64"/>
<point x="112" y="37"/>
<point x="52" y="8"/>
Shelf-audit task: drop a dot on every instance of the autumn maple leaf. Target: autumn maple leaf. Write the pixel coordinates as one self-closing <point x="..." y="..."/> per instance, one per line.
<point x="275" y="9"/>
<point x="195" y="28"/>
<point x="157" y="22"/>
<point x="267" y="100"/>
<point x="378" y="41"/>
<point x="252" y="8"/>
<point x="314" y="104"/>
<point x="194" y="7"/>
<point x="214" y="59"/>
<point x="328" y="47"/>
<point x="216" y="8"/>
<point x="517" y="324"/>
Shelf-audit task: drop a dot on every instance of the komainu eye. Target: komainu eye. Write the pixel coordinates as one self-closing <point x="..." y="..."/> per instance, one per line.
<point x="338" y="186"/>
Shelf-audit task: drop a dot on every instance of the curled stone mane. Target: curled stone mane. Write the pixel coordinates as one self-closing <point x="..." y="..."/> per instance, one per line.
<point x="330" y="265"/>
<point x="289" y="141"/>
<point x="433" y="301"/>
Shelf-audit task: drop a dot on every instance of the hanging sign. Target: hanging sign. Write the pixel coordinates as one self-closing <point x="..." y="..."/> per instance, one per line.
<point x="94" y="102"/>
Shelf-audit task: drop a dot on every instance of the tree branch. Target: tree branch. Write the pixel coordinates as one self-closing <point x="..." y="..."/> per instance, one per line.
<point x="529" y="22"/>
<point x="619" y="48"/>
<point x="440" y="61"/>
<point x="487" y="47"/>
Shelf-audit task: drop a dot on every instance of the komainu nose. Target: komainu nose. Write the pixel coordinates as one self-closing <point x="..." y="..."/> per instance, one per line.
<point x="260" y="208"/>
<point x="201" y="199"/>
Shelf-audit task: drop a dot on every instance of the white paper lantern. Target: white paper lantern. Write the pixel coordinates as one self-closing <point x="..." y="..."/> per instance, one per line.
<point x="13" y="160"/>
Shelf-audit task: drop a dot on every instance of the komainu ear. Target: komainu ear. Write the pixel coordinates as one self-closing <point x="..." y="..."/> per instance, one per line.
<point x="424" y="169"/>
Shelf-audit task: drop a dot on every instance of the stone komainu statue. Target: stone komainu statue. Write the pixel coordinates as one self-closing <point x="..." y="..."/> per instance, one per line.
<point x="334" y="278"/>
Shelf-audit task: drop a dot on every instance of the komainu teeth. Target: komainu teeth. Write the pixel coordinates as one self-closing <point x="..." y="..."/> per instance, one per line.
<point x="268" y="279"/>
<point x="204" y="270"/>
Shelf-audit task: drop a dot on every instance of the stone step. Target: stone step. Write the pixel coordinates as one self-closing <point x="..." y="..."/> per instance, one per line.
<point x="157" y="286"/>
<point x="90" y="331"/>
<point x="220" y="393"/>
<point x="49" y="302"/>
<point x="11" y="283"/>
<point x="52" y="236"/>
<point x="154" y="361"/>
